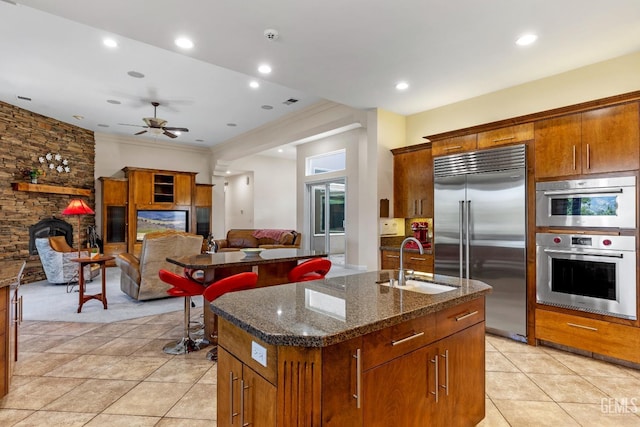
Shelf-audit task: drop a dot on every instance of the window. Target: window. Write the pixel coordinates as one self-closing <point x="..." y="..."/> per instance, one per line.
<point x="329" y="162"/>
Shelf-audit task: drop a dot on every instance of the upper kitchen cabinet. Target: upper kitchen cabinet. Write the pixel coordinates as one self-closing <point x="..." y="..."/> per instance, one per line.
<point x="506" y="135"/>
<point x="412" y="183"/>
<point x="597" y="141"/>
<point x="456" y="144"/>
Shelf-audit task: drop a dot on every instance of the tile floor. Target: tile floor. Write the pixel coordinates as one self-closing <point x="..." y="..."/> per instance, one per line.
<point x="90" y="374"/>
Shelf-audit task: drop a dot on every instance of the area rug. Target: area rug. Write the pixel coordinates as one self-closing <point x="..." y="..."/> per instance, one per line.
<point x="44" y="301"/>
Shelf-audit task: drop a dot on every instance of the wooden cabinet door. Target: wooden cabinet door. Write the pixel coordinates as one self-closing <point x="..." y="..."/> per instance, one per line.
<point x="258" y="400"/>
<point x="390" y="260"/>
<point x="558" y="146"/>
<point x="610" y="139"/>
<point x="505" y="136"/>
<point x="418" y="262"/>
<point x="340" y="388"/>
<point x="413" y="184"/>
<point x="461" y="378"/>
<point x="184" y="187"/>
<point x="395" y="395"/>
<point x="228" y="389"/>
<point x="458" y="144"/>
<point x="141" y="188"/>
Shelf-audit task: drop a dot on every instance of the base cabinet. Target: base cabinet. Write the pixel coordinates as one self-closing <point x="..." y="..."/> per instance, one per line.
<point x="251" y="398"/>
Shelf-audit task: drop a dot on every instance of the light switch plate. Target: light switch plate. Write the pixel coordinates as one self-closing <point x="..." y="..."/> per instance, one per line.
<point x="259" y="353"/>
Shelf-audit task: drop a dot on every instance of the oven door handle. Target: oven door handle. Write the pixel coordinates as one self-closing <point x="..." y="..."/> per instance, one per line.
<point x="608" y="255"/>
<point x="582" y="191"/>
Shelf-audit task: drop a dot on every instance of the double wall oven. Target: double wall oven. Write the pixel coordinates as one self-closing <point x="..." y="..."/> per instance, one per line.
<point x="591" y="266"/>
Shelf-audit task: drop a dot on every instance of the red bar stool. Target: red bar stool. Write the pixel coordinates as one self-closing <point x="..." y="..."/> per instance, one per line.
<point x="237" y="282"/>
<point x="314" y="269"/>
<point x="187" y="288"/>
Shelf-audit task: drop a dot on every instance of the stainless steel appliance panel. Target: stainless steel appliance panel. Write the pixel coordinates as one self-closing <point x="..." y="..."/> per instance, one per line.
<point x="593" y="202"/>
<point x="497" y="230"/>
<point x="449" y="193"/>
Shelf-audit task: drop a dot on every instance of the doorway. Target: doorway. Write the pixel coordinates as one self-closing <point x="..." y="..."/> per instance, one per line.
<point x="327" y="218"/>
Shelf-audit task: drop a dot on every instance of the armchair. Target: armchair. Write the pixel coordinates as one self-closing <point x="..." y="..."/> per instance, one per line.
<point x="139" y="275"/>
<point x="56" y="255"/>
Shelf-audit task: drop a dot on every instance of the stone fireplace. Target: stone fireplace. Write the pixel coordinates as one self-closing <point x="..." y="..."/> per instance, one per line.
<point x="49" y="227"/>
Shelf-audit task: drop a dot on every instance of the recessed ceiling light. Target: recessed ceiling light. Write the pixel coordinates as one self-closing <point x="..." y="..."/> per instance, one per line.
<point x="232" y="125"/>
<point x="184" y="43"/>
<point x="280" y="150"/>
<point x="267" y="107"/>
<point x="110" y="43"/>
<point x="526" y="39"/>
<point x="102" y="125"/>
<point x="78" y="117"/>
<point x="402" y="85"/>
<point x="228" y="172"/>
<point x="264" y="69"/>
<point x="114" y="101"/>
<point x="135" y="74"/>
<point x="254" y="84"/>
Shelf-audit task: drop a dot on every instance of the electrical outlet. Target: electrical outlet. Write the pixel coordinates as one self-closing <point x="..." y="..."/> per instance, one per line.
<point x="259" y="353"/>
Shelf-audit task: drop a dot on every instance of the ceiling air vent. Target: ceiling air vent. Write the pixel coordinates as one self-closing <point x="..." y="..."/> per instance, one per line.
<point x="23" y="98"/>
<point x="290" y="101"/>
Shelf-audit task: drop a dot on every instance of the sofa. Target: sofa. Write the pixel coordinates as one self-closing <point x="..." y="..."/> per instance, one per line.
<point x="139" y="275"/>
<point x="259" y="238"/>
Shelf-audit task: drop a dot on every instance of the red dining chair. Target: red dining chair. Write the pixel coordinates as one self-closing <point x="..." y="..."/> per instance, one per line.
<point x="314" y="269"/>
<point x="187" y="288"/>
<point x="237" y="282"/>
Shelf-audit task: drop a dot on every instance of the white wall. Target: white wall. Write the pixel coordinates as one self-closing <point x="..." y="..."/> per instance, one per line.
<point x="239" y="201"/>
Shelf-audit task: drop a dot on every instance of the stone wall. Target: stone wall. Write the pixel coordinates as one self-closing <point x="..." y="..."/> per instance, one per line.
<point x="24" y="137"/>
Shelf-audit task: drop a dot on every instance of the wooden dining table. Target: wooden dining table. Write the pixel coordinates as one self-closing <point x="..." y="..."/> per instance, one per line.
<point x="271" y="265"/>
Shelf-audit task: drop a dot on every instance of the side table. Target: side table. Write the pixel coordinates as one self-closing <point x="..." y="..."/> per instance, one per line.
<point x="102" y="261"/>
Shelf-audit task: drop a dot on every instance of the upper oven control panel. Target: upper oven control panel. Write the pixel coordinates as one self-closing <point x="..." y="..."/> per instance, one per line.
<point x="586" y="241"/>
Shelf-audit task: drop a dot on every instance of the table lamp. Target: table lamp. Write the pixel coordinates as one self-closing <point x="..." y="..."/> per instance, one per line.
<point x="78" y="207"/>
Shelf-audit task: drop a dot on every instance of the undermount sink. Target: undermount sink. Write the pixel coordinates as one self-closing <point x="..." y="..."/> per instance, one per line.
<point x="421" y="286"/>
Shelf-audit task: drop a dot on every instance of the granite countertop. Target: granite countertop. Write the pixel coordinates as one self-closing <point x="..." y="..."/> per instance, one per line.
<point x="227" y="259"/>
<point x="325" y="312"/>
<point x="9" y="272"/>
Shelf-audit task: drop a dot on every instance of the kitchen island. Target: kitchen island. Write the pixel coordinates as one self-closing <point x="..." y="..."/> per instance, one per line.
<point x="352" y="351"/>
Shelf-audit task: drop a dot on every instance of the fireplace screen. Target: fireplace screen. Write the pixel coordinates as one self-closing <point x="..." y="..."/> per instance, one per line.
<point x="49" y="227"/>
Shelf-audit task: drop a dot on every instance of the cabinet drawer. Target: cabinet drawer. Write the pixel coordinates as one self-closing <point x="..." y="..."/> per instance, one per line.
<point x="597" y="336"/>
<point x="503" y="136"/>
<point x="239" y="343"/>
<point x="390" y="260"/>
<point x="459" y="317"/>
<point x="458" y="144"/>
<point x="417" y="262"/>
<point x="394" y="341"/>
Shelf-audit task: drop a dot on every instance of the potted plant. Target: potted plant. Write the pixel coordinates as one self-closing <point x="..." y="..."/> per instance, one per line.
<point x="33" y="174"/>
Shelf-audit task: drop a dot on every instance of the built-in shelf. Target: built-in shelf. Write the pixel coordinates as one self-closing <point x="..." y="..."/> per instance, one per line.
<point x="54" y="189"/>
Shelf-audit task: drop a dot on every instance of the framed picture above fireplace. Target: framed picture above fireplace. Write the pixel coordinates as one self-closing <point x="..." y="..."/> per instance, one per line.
<point x="160" y="220"/>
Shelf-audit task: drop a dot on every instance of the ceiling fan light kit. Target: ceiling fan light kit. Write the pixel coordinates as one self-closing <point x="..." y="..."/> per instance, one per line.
<point x="156" y="125"/>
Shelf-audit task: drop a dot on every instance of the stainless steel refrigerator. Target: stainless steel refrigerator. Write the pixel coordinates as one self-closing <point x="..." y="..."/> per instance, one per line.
<point x="480" y="229"/>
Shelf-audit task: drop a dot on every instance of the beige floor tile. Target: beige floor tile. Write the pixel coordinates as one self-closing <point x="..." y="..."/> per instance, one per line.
<point x="586" y="366"/>
<point x="91" y="396"/>
<point x="179" y="422"/>
<point x="132" y="368"/>
<point x="55" y="419"/>
<point x="80" y="345"/>
<point x="497" y="362"/>
<point x="211" y="376"/>
<point x="85" y="366"/>
<point x="120" y="347"/>
<point x="20" y="380"/>
<point x="113" y="329"/>
<point x="149" y="398"/>
<point x="508" y="345"/>
<point x="618" y="387"/>
<point x="605" y="414"/>
<point x="198" y="403"/>
<point x="540" y="363"/>
<point x="29" y="343"/>
<point x="74" y="328"/>
<point x="109" y="420"/>
<point x="41" y="328"/>
<point x="538" y="414"/>
<point x="568" y="388"/>
<point x="38" y="393"/>
<point x="9" y="417"/>
<point x="152" y="331"/>
<point x="488" y="346"/>
<point x="153" y="348"/>
<point x="40" y="363"/>
<point x="513" y="386"/>
<point x="180" y="370"/>
<point x="493" y="417"/>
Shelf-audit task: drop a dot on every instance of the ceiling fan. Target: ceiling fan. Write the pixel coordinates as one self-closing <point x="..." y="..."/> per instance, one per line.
<point x="157" y="126"/>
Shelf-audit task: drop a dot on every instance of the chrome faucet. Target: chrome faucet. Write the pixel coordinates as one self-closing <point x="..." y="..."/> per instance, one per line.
<point x="401" y="278"/>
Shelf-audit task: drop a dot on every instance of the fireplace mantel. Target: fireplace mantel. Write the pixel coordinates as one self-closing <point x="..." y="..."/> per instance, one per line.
<point x="54" y="189"/>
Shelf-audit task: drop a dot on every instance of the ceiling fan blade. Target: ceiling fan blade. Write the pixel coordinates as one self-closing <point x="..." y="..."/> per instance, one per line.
<point x="140" y="133"/>
<point x="169" y="134"/>
<point x="176" y="129"/>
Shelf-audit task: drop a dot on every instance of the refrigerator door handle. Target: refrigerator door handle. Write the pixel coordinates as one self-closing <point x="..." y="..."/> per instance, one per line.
<point x="461" y="234"/>
<point x="467" y="233"/>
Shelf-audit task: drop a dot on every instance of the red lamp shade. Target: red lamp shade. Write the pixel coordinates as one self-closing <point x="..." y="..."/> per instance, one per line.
<point x="78" y="207"/>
